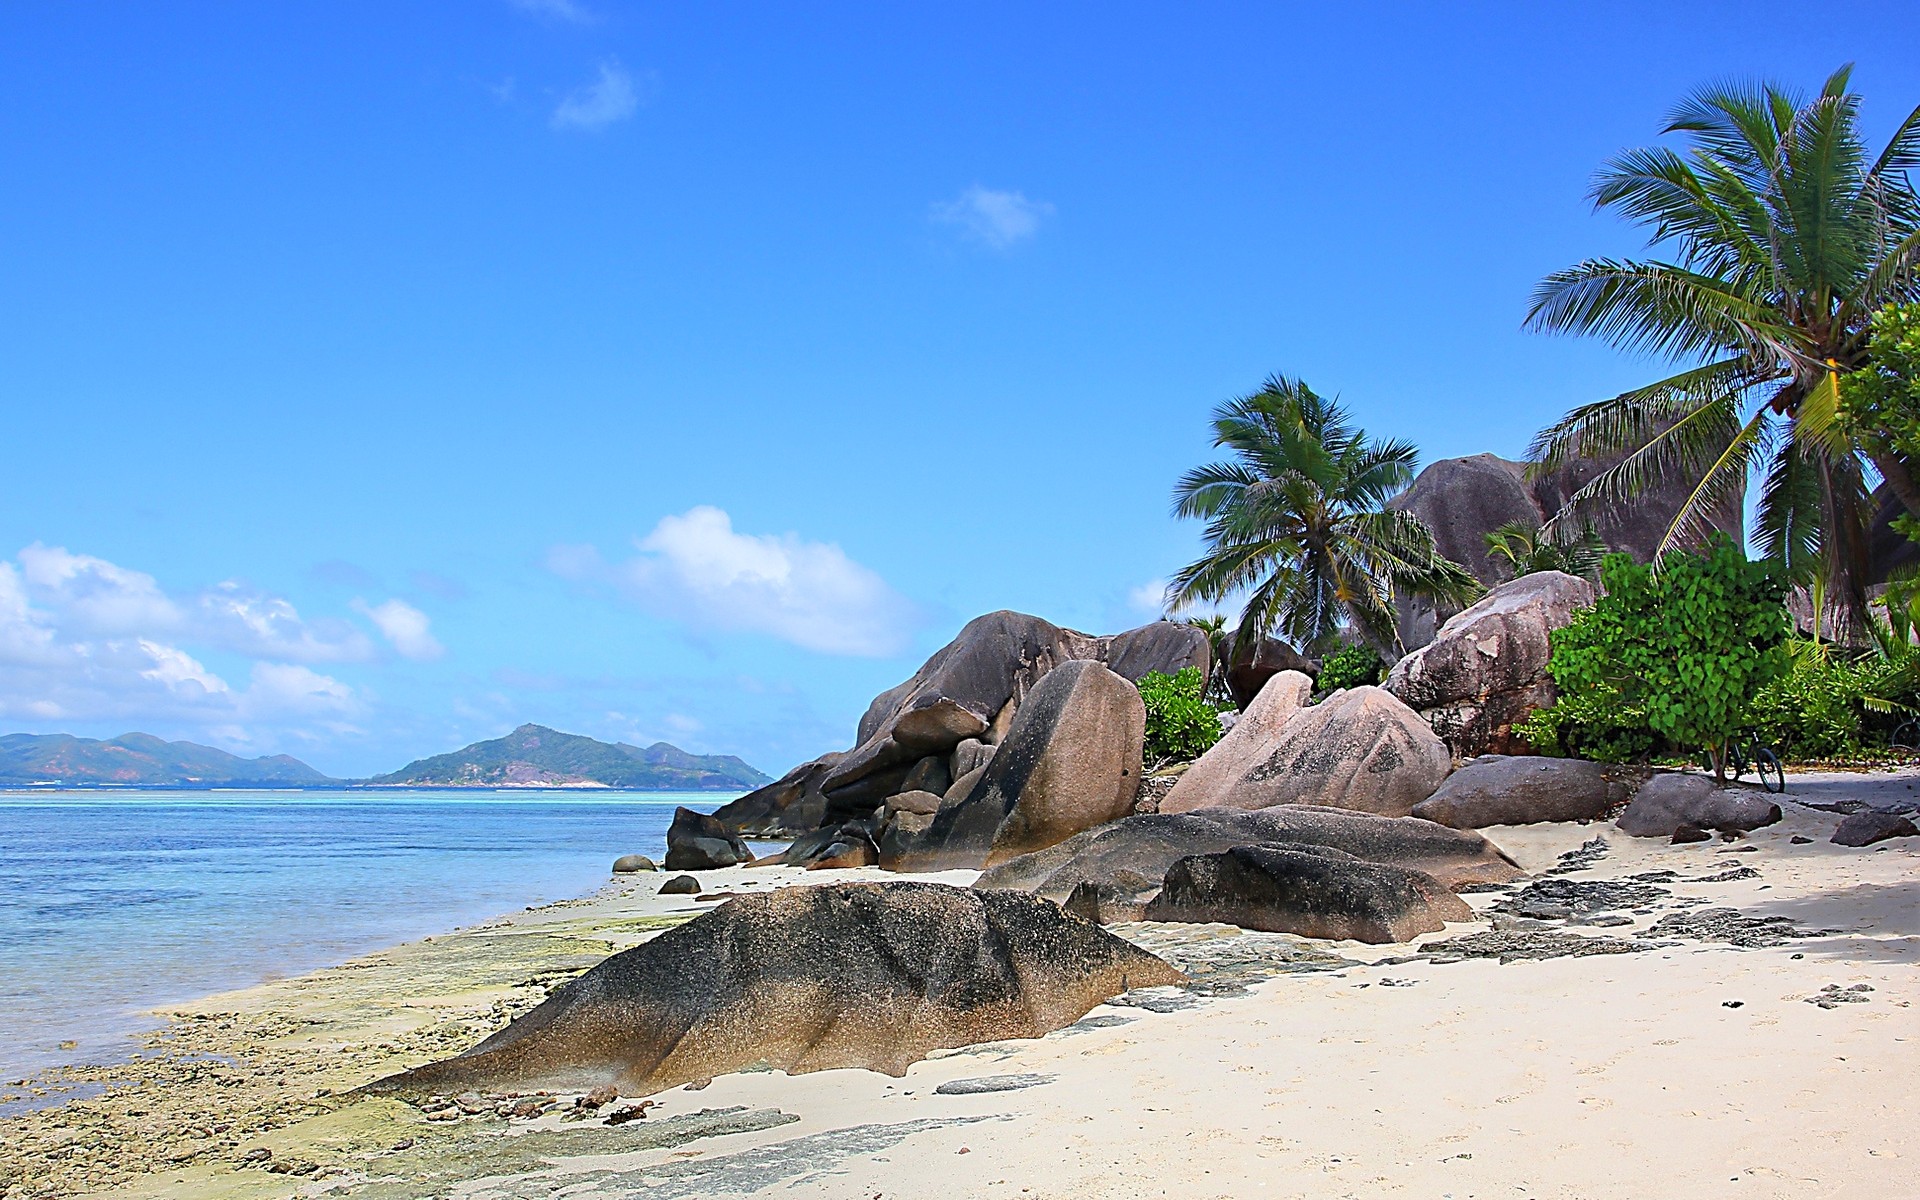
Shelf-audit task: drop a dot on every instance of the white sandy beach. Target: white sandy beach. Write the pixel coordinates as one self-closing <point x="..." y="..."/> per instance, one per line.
<point x="1694" y="1068"/>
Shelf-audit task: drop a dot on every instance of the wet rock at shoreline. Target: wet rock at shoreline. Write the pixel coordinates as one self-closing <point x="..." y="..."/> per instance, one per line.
<point x="1309" y="891"/>
<point x="870" y="975"/>
<point x="628" y="864"/>
<point x="789" y="805"/>
<point x="680" y="885"/>
<point x="697" y="842"/>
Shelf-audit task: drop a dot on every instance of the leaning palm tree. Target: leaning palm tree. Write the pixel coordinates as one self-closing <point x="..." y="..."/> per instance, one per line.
<point x="1298" y="520"/>
<point x="1785" y="238"/>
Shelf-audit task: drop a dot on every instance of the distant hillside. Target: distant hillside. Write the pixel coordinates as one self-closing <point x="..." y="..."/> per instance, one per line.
<point x="141" y="760"/>
<point x="535" y="756"/>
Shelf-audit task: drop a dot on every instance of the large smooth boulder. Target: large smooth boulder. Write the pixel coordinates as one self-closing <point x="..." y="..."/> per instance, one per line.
<point x="1132" y="857"/>
<point x="789" y="805"/>
<point x="1311" y="891"/>
<point x="872" y="975"/>
<point x="698" y="842"/>
<point x="1462" y="500"/>
<point x="1070" y="761"/>
<point x="1675" y="798"/>
<point x="1243" y="747"/>
<point x="1252" y="665"/>
<point x="1361" y="749"/>
<point x="1499" y="789"/>
<point x="849" y="845"/>
<point x="1866" y="828"/>
<point x="973" y="688"/>
<point x="1637" y="527"/>
<point x="1487" y="667"/>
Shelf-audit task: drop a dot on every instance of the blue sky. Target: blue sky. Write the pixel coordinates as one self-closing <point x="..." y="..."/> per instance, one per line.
<point x="376" y="377"/>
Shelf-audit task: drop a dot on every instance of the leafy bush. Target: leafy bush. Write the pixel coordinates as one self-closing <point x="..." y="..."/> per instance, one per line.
<point x="1590" y="726"/>
<point x="1685" y="647"/>
<point x="1834" y="704"/>
<point x="1181" y="724"/>
<point x="1351" y="666"/>
<point x="1880" y="404"/>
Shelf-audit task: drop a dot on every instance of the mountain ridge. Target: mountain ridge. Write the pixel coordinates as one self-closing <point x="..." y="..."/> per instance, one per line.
<point x="536" y="756"/>
<point x="142" y="760"/>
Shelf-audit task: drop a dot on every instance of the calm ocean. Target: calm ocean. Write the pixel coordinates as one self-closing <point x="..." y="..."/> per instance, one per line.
<point x="113" y="903"/>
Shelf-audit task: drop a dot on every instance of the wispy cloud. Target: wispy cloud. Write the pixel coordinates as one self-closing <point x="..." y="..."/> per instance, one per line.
<point x="86" y="640"/>
<point x="557" y="10"/>
<point x="405" y="627"/>
<point x="998" y="219"/>
<point x="1150" y="597"/>
<point x="696" y="570"/>
<point x="614" y="95"/>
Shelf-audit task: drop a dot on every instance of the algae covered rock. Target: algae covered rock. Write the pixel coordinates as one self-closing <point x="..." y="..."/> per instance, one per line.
<point x="872" y="975"/>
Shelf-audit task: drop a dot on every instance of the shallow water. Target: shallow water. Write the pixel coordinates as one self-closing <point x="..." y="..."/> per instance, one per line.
<point x="113" y="903"/>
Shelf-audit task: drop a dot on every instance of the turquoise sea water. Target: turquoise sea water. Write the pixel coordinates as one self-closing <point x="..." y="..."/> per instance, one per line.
<point x="114" y="902"/>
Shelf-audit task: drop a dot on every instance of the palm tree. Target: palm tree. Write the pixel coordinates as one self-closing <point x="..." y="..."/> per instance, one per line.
<point x="1786" y="238"/>
<point x="1526" y="549"/>
<point x="1298" y="519"/>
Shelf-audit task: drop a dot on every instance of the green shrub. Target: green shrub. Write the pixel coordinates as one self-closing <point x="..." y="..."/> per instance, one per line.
<point x="1350" y="666"/>
<point x="1181" y="724"/>
<point x="1685" y="648"/>
<point x="1590" y="726"/>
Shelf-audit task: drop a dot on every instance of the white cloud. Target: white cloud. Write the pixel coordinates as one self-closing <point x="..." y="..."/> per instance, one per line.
<point x="405" y="627"/>
<point x="180" y="671"/>
<point x="1149" y="597"/>
<point x="613" y="96"/>
<point x="694" y="569"/>
<point x="263" y="626"/>
<point x="283" y="688"/>
<point x="83" y="640"/>
<point x="994" y="218"/>
<point x="560" y="10"/>
<point x="93" y="594"/>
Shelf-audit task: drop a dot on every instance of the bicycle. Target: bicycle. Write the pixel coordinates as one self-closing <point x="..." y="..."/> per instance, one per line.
<point x="1761" y="758"/>
<point x="1906" y="736"/>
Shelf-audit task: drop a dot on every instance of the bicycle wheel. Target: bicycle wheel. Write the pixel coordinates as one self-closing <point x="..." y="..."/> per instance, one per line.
<point x="1906" y="736"/>
<point x="1736" y="760"/>
<point x="1773" y="777"/>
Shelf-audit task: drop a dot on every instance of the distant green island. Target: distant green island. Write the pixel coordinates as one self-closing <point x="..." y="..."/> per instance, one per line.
<point x="532" y="756"/>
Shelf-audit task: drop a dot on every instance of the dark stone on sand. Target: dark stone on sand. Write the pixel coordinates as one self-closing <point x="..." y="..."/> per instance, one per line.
<point x="680" y="885"/>
<point x="628" y="864"/>
<point x="1675" y="798"/>
<point x="1866" y="828"/>
<point x="986" y="1084"/>
<point x="872" y="975"/>
<point x="1500" y="789"/>
<point x="697" y="842"/>
<point x="1797" y="840"/>
<point x="1131" y="857"/>
<point x="1559" y="899"/>
<point x="1309" y="891"/>
<point x="1691" y="833"/>
<point x="848" y="845"/>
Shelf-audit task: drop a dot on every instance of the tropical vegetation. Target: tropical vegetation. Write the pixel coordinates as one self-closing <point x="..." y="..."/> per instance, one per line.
<point x="1522" y="549"/>
<point x="1298" y="520"/>
<point x="1880" y="402"/>
<point x="1782" y="236"/>
<point x="1678" y="652"/>
<point x="1353" y="665"/>
<point x="1181" y="723"/>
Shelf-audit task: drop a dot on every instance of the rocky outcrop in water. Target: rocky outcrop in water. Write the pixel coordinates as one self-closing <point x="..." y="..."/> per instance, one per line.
<point x="697" y="842"/>
<point x="872" y="975"/>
